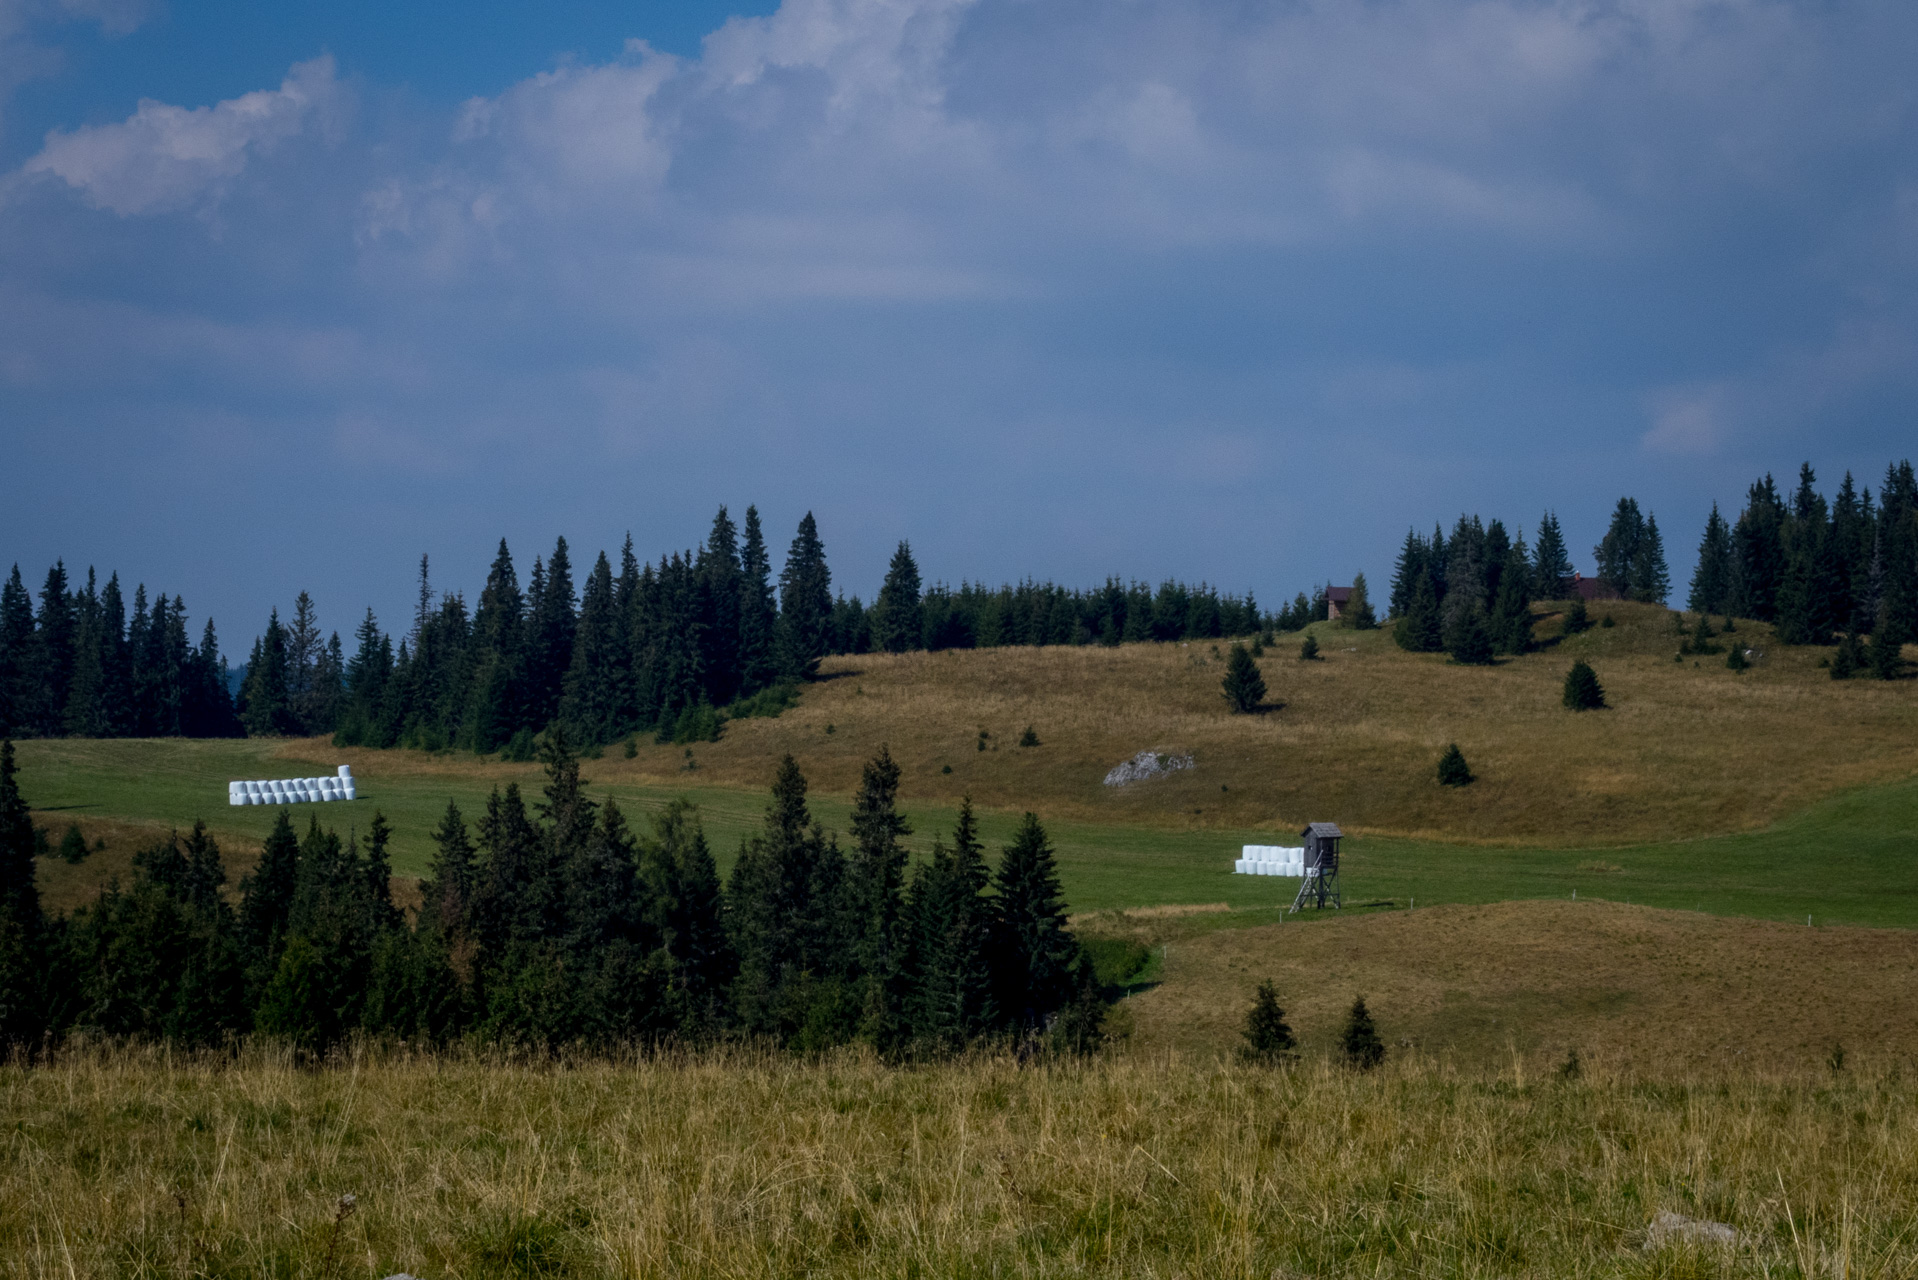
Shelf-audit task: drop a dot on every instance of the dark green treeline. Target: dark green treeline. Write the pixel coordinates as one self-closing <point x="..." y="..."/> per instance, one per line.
<point x="554" y="923"/>
<point x="664" y="648"/>
<point x="1817" y="568"/>
<point x="81" y="667"/>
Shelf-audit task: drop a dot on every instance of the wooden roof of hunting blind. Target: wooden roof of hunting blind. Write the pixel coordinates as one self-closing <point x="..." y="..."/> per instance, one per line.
<point x="1322" y="830"/>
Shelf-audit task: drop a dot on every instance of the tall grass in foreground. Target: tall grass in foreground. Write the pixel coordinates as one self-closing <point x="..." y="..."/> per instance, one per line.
<point x="142" y="1163"/>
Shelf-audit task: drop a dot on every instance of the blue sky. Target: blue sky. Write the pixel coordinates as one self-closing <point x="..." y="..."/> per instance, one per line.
<point x="1051" y="287"/>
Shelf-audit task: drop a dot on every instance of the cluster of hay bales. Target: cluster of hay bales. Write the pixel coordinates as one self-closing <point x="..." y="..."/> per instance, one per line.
<point x="293" y="790"/>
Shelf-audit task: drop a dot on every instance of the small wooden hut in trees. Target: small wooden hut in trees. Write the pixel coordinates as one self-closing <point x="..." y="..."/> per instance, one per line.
<point x="1321" y="885"/>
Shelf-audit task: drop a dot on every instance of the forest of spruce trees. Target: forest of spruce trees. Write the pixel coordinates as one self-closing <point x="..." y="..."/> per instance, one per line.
<point x="1823" y="572"/>
<point x="659" y="648"/>
<point x="555" y="924"/>
<point x="675" y="647"/>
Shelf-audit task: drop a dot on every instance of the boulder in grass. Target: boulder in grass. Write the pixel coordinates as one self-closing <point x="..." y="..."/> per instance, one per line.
<point x="1670" y="1228"/>
<point x="1144" y="766"/>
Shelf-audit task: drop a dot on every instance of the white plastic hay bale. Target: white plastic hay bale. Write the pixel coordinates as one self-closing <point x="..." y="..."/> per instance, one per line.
<point x="346" y="771"/>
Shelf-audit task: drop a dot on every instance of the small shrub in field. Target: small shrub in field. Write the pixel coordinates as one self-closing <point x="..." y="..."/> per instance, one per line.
<point x="1702" y="636"/>
<point x="1452" y="769"/>
<point x="1268" y="1039"/>
<point x="1029" y="738"/>
<point x="1471" y="643"/>
<point x="1571" y="1068"/>
<point x="1735" y="660"/>
<point x="1360" y="1042"/>
<point x="1887" y="654"/>
<point x="1606" y="621"/>
<point x="1258" y="646"/>
<point x="1243" y="686"/>
<point x="1577" y="618"/>
<point x="1582" y="690"/>
<point x="73" y="845"/>
<point x="1309" y="651"/>
<point x="1849" y="657"/>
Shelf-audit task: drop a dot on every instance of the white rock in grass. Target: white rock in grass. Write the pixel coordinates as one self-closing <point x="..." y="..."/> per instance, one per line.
<point x="1670" y="1228"/>
<point x="1144" y="766"/>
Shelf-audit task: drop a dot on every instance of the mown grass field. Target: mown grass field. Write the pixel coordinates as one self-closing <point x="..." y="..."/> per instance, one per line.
<point x="1851" y="858"/>
<point x="1479" y="984"/>
<point x="140" y="1164"/>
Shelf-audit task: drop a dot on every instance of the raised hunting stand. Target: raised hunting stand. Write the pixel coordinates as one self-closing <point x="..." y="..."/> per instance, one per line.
<point x="1321" y="885"/>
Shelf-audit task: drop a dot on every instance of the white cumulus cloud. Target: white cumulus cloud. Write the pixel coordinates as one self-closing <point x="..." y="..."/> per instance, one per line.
<point x="165" y="158"/>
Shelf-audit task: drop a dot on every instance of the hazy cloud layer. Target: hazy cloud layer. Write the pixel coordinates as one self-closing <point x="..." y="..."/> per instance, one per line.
<point x="1060" y="288"/>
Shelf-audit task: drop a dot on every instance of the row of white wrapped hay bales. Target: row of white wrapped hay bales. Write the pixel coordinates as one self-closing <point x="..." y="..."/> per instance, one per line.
<point x="1270" y="860"/>
<point x="293" y="790"/>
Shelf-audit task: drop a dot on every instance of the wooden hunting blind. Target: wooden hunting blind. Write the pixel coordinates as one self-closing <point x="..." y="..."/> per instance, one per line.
<point x="1321" y="884"/>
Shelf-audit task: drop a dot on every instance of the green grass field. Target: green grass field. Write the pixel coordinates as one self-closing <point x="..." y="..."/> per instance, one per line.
<point x="1850" y="859"/>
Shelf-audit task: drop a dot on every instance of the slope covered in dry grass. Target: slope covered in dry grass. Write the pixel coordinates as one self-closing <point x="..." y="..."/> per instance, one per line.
<point x="1478" y="983"/>
<point x="1687" y="749"/>
<point x="1149" y="1166"/>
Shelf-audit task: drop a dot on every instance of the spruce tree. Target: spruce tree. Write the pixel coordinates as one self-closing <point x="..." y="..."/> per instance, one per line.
<point x="265" y="710"/>
<point x="1578" y="618"/>
<point x="1887" y="652"/>
<point x="1711" y="580"/>
<point x="719" y="593"/>
<point x="1471" y="641"/>
<point x="1358" y="613"/>
<point x="1309" y="648"/>
<point x="499" y="623"/>
<point x="1618" y="550"/>
<point x="22" y="929"/>
<point x="595" y="677"/>
<point x="550" y="648"/>
<point x="266" y="898"/>
<point x="1849" y="656"/>
<point x="1268" y="1039"/>
<point x="897" y="623"/>
<point x="1359" y="1042"/>
<point x="16" y="656"/>
<point x="55" y="643"/>
<point x="1243" y="686"/>
<point x="1409" y="569"/>
<point x="1511" y="622"/>
<point x="758" y="612"/>
<point x="1702" y="635"/>
<point x="1418" y="629"/>
<point x="1582" y="690"/>
<point x="683" y="892"/>
<point x="805" y="604"/>
<point x="875" y="878"/>
<point x="1551" y="563"/>
<point x="1035" y="950"/>
<point x="950" y="1001"/>
<point x="784" y="904"/>
<point x="1736" y="660"/>
<point x="1651" y="580"/>
<point x="1452" y="769"/>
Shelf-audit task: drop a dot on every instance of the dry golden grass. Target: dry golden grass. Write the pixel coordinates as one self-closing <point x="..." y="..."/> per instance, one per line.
<point x="142" y="1165"/>
<point x="64" y="886"/>
<point x="1686" y="750"/>
<point x="1480" y="983"/>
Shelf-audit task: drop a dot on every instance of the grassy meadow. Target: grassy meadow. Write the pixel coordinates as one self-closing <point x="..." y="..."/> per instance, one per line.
<point x="137" y="1164"/>
<point x="1631" y="885"/>
<point x="1774" y="793"/>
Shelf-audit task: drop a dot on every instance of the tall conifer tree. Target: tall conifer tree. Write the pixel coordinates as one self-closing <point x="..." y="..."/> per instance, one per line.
<point x="805" y="604"/>
<point x="758" y="613"/>
<point x="1035" y="951"/>
<point x="897" y="624"/>
<point x="1551" y="563"/>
